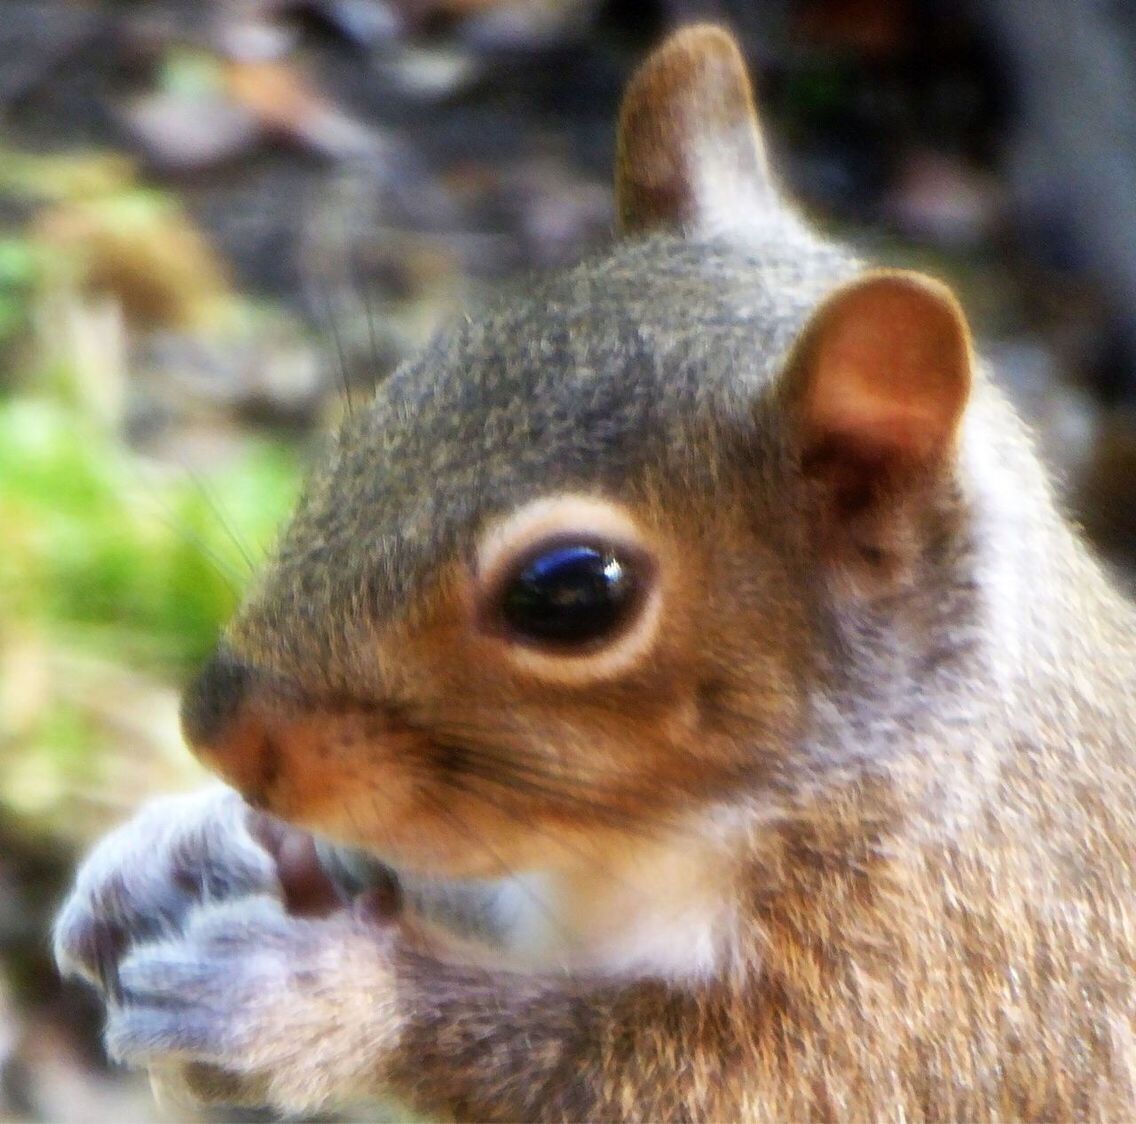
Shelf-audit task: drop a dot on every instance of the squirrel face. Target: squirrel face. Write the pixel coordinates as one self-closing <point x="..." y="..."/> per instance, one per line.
<point x="579" y="567"/>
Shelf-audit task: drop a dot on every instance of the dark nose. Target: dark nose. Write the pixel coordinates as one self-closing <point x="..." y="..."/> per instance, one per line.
<point x="214" y="699"/>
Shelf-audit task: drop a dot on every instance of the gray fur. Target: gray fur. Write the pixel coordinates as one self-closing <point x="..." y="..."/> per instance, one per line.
<point x="929" y="871"/>
<point x="578" y="381"/>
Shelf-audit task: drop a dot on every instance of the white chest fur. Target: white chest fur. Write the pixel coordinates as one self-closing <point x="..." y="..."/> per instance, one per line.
<point x="663" y="907"/>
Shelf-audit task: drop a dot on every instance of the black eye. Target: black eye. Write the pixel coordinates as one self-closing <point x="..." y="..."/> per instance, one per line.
<point x="572" y="594"/>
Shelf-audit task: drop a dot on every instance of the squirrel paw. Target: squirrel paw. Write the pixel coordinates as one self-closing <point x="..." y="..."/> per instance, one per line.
<point x="142" y="881"/>
<point x="292" y="1012"/>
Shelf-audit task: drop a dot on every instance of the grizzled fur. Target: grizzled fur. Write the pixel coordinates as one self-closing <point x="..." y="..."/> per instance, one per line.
<point x="577" y="382"/>
<point x="848" y="832"/>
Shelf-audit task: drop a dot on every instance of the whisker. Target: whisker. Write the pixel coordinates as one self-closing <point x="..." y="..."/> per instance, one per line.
<point x="490" y="745"/>
<point x="470" y="738"/>
<point x="365" y="298"/>
<point x="504" y="774"/>
<point x="333" y="328"/>
<point x="491" y="759"/>
<point x="494" y="755"/>
<point x="233" y="580"/>
<point x="627" y="824"/>
<point x="218" y="514"/>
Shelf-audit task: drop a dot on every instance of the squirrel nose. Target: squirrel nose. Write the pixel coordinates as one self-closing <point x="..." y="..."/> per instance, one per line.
<point x="213" y="700"/>
<point x="229" y="722"/>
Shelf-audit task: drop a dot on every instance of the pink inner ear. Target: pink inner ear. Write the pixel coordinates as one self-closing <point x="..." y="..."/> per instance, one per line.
<point x="887" y="370"/>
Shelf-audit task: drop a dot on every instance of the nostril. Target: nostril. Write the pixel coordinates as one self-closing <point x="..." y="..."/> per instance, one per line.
<point x="213" y="699"/>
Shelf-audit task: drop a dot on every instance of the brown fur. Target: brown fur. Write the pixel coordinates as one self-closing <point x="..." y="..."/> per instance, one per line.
<point x="886" y="711"/>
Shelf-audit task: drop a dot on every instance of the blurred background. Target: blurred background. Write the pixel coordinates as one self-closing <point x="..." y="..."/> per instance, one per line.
<point x="221" y="219"/>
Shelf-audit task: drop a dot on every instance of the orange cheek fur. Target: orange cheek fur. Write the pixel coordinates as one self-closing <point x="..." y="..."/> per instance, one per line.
<point x="565" y="759"/>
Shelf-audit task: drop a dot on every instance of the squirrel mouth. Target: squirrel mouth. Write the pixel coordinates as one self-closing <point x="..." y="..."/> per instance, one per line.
<point x="354" y="871"/>
<point x="318" y="877"/>
<point x="366" y="882"/>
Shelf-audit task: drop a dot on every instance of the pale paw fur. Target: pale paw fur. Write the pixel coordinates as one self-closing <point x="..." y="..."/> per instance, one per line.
<point x="141" y="882"/>
<point x="270" y="1008"/>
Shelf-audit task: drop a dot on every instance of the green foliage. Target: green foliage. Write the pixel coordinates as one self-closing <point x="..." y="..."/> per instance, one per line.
<point x="102" y="549"/>
<point x="19" y="265"/>
<point x="117" y="572"/>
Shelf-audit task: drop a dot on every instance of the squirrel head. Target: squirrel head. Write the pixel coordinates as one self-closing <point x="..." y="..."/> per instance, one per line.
<point x="583" y="565"/>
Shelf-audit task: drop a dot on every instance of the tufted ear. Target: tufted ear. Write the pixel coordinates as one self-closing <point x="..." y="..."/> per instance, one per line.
<point x="876" y="390"/>
<point x="689" y="153"/>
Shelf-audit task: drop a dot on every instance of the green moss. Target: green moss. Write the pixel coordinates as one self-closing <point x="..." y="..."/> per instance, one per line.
<point x="19" y="269"/>
<point x="101" y="549"/>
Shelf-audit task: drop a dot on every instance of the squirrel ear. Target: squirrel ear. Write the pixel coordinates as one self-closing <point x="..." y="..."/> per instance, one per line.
<point x="876" y="389"/>
<point x="689" y="152"/>
<point x="882" y="373"/>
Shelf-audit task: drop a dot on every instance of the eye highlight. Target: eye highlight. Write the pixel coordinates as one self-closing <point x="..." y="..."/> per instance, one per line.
<point x="570" y="588"/>
<point x="572" y="594"/>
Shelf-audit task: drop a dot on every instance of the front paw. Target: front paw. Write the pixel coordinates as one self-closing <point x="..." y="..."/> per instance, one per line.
<point x="141" y="882"/>
<point x="298" y="1009"/>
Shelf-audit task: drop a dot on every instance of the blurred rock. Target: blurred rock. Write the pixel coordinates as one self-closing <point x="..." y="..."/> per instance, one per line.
<point x="179" y="134"/>
<point x="556" y="213"/>
<point x="940" y="200"/>
<point x="432" y="72"/>
<point x="517" y="22"/>
<point x="263" y="367"/>
<point x="532" y="25"/>
<point x="364" y="24"/>
<point x="288" y="105"/>
<point x="254" y="30"/>
<point x="361" y="24"/>
<point x="1106" y="492"/>
<point x="208" y="106"/>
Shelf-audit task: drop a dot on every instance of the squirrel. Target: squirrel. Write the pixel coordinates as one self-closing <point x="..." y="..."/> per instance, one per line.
<point x="677" y="695"/>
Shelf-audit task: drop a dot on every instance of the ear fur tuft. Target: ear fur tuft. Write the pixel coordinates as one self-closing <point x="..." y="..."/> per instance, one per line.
<point x="689" y="152"/>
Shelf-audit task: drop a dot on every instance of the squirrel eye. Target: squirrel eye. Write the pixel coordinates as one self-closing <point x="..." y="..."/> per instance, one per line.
<point x="571" y="595"/>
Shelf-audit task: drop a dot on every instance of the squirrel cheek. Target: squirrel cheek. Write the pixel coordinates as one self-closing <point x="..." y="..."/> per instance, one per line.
<point x="332" y="771"/>
<point x="344" y="775"/>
